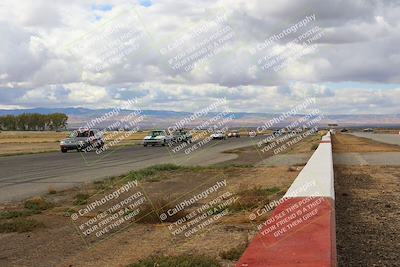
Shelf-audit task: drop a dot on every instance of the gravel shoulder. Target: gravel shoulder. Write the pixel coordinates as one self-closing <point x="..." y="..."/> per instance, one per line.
<point x="367" y="215"/>
<point x="367" y="205"/>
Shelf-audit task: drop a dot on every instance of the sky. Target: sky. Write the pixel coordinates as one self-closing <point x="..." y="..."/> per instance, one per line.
<point x="262" y="56"/>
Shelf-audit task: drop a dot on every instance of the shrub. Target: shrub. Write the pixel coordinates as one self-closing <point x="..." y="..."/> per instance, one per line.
<point x="16" y="213"/>
<point x="81" y="199"/>
<point x="37" y="204"/>
<point x="314" y="147"/>
<point x="19" y="225"/>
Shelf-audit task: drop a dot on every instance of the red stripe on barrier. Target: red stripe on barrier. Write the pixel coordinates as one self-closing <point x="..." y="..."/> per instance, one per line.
<point x="325" y="142"/>
<point x="300" y="232"/>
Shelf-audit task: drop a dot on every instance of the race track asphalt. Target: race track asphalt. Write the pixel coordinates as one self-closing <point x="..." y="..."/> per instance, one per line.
<point x="24" y="176"/>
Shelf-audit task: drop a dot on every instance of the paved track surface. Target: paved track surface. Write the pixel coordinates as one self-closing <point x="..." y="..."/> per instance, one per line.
<point x="29" y="175"/>
<point x="393" y="139"/>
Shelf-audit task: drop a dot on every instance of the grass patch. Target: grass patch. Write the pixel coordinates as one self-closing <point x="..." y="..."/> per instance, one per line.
<point x="17" y="213"/>
<point x="314" y="147"/>
<point x="19" y="225"/>
<point x="235" y="165"/>
<point x="177" y="261"/>
<point x="252" y="198"/>
<point x="154" y="179"/>
<point x="150" y="174"/>
<point x="38" y="204"/>
<point x="216" y="210"/>
<point x="165" y="167"/>
<point x="150" y="213"/>
<point x="152" y="170"/>
<point x="260" y="192"/>
<point x="107" y="183"/>
<point x="81" y="199"/>
<point x="157" y="173"/>
<point x="234" y="254"/>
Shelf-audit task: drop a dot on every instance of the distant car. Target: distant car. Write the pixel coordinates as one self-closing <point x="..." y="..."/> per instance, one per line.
<point x="87" y="140"/>
<point x="181" y="135"/>
<point x="234" y="133"/>
<point x="277" y="132"/>
<point x="252" y="133"/>
<point x="368" y="130"/>
<point x="344" y="130"/>
<point x="157" y="137"/>
<point x="218" y="135"/>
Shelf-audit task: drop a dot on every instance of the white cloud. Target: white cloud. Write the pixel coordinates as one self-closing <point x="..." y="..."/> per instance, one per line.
<point x="39" y="38"/>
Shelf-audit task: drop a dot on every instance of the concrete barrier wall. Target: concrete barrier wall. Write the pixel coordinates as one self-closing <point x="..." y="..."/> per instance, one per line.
<point x="319" y="168"/>
<point x="301" y="230"/>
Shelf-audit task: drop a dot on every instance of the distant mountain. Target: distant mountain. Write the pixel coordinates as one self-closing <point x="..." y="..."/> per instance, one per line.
<point x="166" y="118"/>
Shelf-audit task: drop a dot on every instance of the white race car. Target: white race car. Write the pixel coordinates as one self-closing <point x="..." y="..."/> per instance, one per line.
<point x="218" y="135"/>
<point x="157" y="137"/>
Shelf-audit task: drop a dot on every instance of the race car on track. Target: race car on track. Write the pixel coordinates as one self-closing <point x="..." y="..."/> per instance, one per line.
<point x="234" y="133"/>
<point x="157" y="137"/>
<point x="181" y="136"/>
<point x="87" y="140"/>
<point x="218" y="135"/>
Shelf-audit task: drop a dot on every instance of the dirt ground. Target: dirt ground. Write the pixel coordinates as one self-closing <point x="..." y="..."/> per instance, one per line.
<point x="367" y="207"/>
<point x="349" y="143"/>
<point x="58" y="243"/>
<point x="254" y="154"/>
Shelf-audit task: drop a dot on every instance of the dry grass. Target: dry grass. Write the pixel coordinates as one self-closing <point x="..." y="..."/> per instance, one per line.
<point x="177" y="261"/>
<point x="29" y="142"/>
<point x="18" y="220"/>
<point x="31" y="136"/>
<point x="249" y="199"/>
<point x="19" y="225"/>
<point x="38" y="204"/>
<point x="235" y="253"/>
<point x="307" y="144"/>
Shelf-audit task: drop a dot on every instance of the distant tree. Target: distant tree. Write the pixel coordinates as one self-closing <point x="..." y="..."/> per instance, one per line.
<point x="23" y="121"/>
<point x="33" y="121"/>
<point x="58" y="120"/>
<point x="8" y="122"/>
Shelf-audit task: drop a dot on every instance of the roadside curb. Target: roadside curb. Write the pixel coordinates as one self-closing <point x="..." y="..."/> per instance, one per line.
<point x="301" y="230"/>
